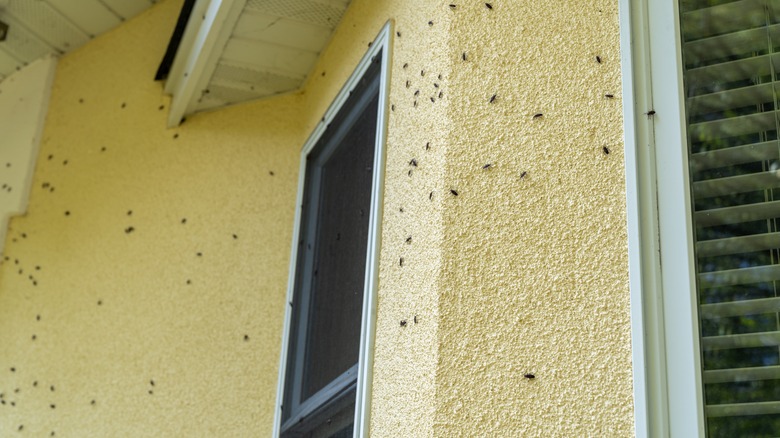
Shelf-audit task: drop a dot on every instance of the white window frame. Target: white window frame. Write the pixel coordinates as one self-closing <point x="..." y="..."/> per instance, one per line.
<point x="668" y="398"/>
<point x="382" y="46"/>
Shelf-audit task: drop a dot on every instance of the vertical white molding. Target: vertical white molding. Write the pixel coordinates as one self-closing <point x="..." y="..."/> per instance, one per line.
<point x="382" y="42"/>
<point x="24" y="100"/>
<point x="678" y="269"/>
<point x="628" y="64"/>
<point x="667" y="377"/>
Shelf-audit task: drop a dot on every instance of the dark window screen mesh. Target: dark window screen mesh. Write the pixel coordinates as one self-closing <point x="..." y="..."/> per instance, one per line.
<point x="340" y="256"/>
<point x="330" y="270"/>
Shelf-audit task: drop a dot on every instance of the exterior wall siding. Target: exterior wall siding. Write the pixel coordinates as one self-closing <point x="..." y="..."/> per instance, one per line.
<point x="159" y="257"/>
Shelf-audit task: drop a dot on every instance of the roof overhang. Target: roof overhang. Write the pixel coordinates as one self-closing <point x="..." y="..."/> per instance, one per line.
<point x="233" y="51"/>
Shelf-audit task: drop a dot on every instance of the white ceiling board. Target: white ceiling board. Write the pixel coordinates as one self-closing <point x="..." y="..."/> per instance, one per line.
<point x="227" y="95"/>
<point x="341" y="4"/>
<point x="308" y="11"/>
<point x="270" y="57"/>
<point x="232" y="84"/>
<point x="232" y="94"/>
<point x="53" y="27"/>
<point x="251" y="23"/>
<point x="128" y="8"/>
<point x="91" y="16"/>
<point x="272" y="85"/>
<point x="281" y="31"/>
<point x="48" y="23"/>
<point x="208" y="103"/>
<point x="7" y="63"/>
<point x="272" y="48"/>
<point x="250" y="75"/>
<point x="23" y="44"/>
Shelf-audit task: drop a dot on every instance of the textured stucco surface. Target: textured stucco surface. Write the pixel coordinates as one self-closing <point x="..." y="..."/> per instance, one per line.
<point x="524" y="271"/>
<point x="163" y="301"/>
<point x="535" y="277"/>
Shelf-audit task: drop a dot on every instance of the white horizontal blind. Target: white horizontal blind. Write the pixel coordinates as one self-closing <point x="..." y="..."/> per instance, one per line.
<point x="731" y="65"/>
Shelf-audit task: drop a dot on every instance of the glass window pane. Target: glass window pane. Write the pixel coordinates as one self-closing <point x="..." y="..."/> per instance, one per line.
<point x="731" y="65"/>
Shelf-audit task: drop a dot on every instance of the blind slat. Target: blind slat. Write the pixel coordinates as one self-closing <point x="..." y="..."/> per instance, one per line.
<point x="742" y="374"/>
<point x="750" y="340"/>
<point x="738" y="245"/>
<point x="737" y="214"/>
<point x="740" y="308"/>
<point x="741" y="42"/>
<point x="731" y="277"/>
<point x="740" y="409"/>
<point x="732" y="126"/>
<point x="736" y="184"/>
<point x="749" y="153"/>
<point x="732" y="99"/>
<point x="724" y="18"/>
<point x="731" y="71"/>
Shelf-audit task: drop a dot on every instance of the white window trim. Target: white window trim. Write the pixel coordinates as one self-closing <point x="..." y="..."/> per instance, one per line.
<point x="383" y="44"/>
<point x="668" y="397"/>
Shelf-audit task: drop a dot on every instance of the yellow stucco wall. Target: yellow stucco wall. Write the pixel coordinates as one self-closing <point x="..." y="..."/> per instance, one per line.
<point x="535" y="273"/>
<point x="524" y="271"/>
<point x="168" y="302"/>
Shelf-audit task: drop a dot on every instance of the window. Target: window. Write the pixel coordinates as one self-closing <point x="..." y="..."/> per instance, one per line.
<point x="709" y="362"/>
<point x="325" y="370"/>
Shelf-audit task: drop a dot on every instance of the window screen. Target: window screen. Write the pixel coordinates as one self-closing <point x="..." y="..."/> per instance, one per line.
<point x="331" y="270"/>
<point x="731" y="64"/>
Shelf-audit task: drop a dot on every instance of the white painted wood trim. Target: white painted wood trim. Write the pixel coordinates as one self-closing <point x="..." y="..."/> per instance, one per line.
<point x="24" y="102"/>
<point x="667" y="377"/>
<point x="186" y="44"/>
<point x="205" y="36"/>
<point x="383" y="43"/>
<point x="678" y="269"/>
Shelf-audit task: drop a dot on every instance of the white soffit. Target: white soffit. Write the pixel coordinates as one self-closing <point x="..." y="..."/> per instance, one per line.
<point x="37" y="28"/>
<point x="239" y="50"/>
